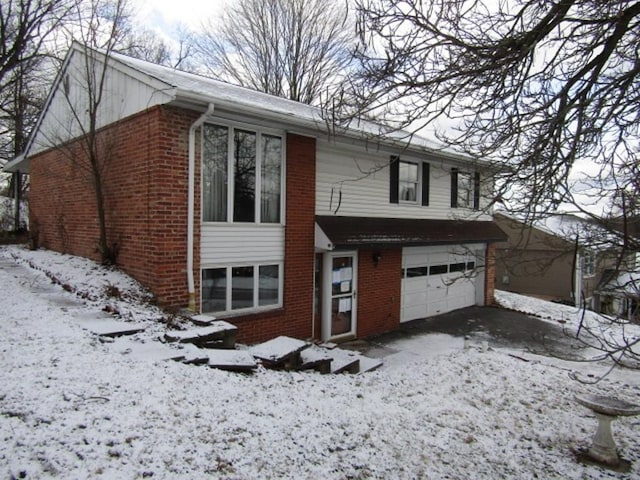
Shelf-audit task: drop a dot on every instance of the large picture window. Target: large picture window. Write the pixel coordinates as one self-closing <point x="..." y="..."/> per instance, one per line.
<point x="237" y="288"/>
<point x="241" y="175"/>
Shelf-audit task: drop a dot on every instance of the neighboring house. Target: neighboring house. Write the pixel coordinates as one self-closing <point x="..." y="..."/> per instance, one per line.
<point x="240" y="204"/>
<point x="561" y="258"/>
<point x="618" y="294"/>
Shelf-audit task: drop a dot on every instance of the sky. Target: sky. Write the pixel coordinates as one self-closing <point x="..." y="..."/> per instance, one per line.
<point x="166" y="15"/>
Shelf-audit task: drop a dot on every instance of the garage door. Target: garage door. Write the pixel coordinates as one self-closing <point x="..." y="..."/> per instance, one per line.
<point x="436" y="280"/>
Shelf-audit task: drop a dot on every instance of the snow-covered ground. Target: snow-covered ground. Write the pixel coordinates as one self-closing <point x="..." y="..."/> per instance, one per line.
<point x="72" y="407"/>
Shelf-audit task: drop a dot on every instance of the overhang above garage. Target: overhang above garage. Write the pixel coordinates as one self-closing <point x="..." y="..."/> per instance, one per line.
<point x="353" y="232"/>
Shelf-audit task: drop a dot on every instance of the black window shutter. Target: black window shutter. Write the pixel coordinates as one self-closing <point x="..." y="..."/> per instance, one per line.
<point x="454" y="188"/>
<point x="394" y="169"/>
<point x="425" y="184"/>
<point x="476" y="191"/>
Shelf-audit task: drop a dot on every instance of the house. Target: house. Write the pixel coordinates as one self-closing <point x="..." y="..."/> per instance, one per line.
<point x="243" y="205"/>
<point x="560" y="258"/>
<point x="618" y="294"/>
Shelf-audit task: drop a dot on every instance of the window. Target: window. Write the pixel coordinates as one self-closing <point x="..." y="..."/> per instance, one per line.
<point x="413" y="272"/>
<point x="438" y="269"/>
<point x="409" y="182"/>
<point x="241" y="175"/>
<point x="245" y="287"/>
<point x="465" y="189"/>
<point x="214" y="290"/>
<point x="588" y="263"/>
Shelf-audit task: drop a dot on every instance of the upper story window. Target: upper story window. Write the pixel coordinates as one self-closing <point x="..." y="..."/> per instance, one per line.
<point x="588" y="263"/>
<point x="241" y="175"/>
<point x="409" y="182"/>
<point x="465" y="189"/>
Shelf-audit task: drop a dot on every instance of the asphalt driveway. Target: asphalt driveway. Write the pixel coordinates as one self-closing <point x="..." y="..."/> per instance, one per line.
<point x="495" y="326"/>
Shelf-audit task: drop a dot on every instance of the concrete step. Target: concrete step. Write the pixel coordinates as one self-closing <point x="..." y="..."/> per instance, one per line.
<point x="315" y="358"/>
<point x="219" y="334"/>
<point x="280" y="352"/>
<point x="232" y="360"/>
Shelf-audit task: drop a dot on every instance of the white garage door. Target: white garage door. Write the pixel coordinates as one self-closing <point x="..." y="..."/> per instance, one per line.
<point x="436" y="280"/>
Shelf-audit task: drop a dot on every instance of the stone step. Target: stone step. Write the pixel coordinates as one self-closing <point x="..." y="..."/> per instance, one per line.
<point x="317" y="359"/>
<point x="344" y="361"/>
<point x="151" y="351"/>
<point x="368" y="364"/>
<point x="280" y="352"/>
<point x="203" y="320"/>
<point x="232" y="360"/>
<point x="218" y="334"/>
<point x="108" y="327"/>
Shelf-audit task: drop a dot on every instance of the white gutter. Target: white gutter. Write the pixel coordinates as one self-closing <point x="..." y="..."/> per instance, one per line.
<point x="191" y="206"/>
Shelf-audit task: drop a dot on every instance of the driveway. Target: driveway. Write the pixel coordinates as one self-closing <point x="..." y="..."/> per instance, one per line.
<point x="496" y="326"/>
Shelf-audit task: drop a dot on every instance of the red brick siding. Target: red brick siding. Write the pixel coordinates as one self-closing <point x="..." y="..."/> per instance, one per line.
<point x="145" y="197"/>
<point x="490" y="274"/>
<point x="295" y="318"/>
<point x="379" y="290"/>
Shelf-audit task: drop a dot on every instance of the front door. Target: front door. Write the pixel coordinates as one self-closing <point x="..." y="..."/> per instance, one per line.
<point x="339" y="295"/>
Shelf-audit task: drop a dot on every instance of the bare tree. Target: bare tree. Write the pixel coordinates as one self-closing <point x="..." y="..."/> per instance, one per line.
<point x="548" y="90"/>
<point x="100" y="26"/>
<point x="297" y="49"/>
<point x="25" y="26"/>
<point x="145" y="44"/>
<point x="541" y="87"/>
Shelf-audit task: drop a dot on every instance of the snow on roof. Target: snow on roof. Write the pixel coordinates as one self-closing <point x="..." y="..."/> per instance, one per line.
<point x="626" y="282"/>
<point x="198" y="87"/>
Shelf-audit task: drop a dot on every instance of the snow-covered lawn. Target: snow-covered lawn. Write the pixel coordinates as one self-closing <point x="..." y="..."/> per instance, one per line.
<point x="71" y="407"/>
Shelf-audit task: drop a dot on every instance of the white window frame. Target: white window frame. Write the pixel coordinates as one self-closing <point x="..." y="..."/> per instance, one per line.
<point x="256" y="284"/>
<point x="259" y="131"/>
<point x="588" y="263"/>
<point x="468" y="203"/>
<point x="418" y="182"/>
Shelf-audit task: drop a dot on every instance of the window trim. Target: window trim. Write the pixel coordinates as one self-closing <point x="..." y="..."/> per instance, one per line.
<point x="259" y="131"/>
<point x="592" y="271"/>
<point x="422" y="185"/>
<point x="256" y="308"/>
<point x="474" y="180"/>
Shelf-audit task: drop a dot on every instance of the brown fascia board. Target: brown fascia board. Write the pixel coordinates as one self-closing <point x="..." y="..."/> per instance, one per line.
<point x="395" y="232"/>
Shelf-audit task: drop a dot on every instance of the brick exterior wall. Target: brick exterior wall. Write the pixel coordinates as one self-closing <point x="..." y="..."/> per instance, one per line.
<point x="490" y="274"/>
<point x="379" y="291"/>
<point x="145" y="198"/>
<point x="295" y="318"/>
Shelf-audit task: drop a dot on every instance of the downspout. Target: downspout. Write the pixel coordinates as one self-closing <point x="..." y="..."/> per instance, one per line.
<point x="191" y="206"/>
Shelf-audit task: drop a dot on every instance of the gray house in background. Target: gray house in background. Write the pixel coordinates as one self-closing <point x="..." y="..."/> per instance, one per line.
<point x="554" y="260"/>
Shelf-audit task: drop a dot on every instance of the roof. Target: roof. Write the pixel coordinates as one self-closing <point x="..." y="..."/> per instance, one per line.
<point x="198" y="91"/>
<point x="624" y="283"/>
<point x="567" y="227"/>
<point x="397" y="232"/>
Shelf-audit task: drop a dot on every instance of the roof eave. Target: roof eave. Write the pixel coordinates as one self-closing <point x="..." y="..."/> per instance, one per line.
<point x="18" y="164"/>
<point x="317" y="126"/>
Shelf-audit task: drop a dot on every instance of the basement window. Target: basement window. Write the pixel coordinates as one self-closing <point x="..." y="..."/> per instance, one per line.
<point x="241" y="288"/>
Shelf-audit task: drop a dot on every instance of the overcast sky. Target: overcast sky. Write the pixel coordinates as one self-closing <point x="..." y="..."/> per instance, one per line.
<point x="166" y="15"/>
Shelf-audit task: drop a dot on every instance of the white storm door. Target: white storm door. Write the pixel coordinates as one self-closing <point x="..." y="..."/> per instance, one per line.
<point x="339" y="295"/>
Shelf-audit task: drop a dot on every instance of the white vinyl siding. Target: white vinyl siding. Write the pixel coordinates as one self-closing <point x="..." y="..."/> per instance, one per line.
<point x="235" y="244"/>
<point x="124" y="95"/>
<point x="360" y="184"/>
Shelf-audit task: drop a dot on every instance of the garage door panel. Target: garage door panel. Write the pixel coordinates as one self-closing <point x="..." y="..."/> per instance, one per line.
<point x="443" y="283"/>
